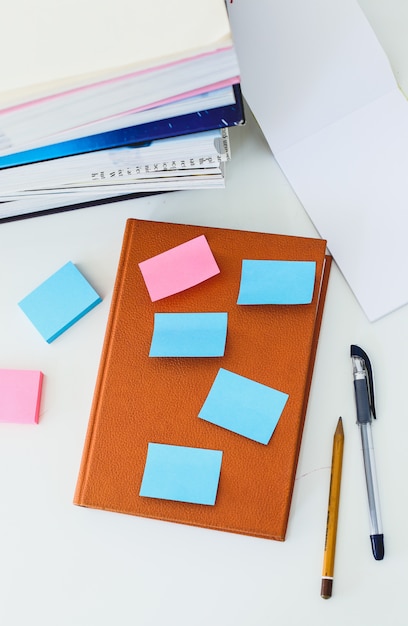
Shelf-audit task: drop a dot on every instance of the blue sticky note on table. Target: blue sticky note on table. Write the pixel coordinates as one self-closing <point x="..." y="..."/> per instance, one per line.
<point x="59" y="302"/>
<point x="181" y="473"/>
<point x="243" y="406"/>
<point x="189" y="334"/>
<point x="276" y="282"/>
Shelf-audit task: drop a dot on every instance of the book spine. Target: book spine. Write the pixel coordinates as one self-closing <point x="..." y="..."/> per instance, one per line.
<point x="95" y="415"/>
<point x="308" y="382"/>
<point x="132" y="173"/>
<point x="112" y="167"/>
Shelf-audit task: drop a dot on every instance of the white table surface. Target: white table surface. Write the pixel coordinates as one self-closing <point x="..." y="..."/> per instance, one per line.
<point x="61" y="565"/>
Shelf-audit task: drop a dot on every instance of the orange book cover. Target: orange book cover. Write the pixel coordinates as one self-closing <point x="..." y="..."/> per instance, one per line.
<point x="139" y="399"/>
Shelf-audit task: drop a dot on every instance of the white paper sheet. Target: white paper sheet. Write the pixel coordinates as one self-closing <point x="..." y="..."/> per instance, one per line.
<point x="323" y="92"/>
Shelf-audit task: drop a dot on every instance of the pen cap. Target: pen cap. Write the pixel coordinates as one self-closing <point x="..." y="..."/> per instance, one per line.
<point x="362" y="370"/>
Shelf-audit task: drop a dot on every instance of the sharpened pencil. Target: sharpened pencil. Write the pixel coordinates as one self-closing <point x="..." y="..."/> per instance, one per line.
<point x="332" y="512"/>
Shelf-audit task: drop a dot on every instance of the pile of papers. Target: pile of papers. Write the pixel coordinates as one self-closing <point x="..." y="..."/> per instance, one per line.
<point x="141" y="104"/>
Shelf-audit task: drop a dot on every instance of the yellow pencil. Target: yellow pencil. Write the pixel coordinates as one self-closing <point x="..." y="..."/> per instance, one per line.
<point x="333" y="511"/>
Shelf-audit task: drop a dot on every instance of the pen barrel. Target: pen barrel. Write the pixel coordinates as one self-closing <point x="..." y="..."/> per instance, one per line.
<point x="371" y="479"/>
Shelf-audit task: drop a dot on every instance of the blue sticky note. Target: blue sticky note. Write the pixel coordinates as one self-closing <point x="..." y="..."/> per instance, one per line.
<point x="59" y="302"/>
<point x="243" y="406"/>
<point x="189" y="334"/>
<point x="181" y="473"/>
<point x="277" y="282"/>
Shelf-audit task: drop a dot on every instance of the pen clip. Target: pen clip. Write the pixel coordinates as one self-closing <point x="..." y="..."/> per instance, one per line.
<point x="358" y="352"/>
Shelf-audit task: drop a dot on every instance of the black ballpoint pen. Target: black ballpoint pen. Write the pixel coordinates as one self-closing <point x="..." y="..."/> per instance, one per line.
<point x="364" y="394"/>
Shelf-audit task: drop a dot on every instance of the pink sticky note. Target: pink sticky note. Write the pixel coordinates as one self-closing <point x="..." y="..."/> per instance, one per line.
<point x="20" y="396"/>
<point x="179" y="268"/>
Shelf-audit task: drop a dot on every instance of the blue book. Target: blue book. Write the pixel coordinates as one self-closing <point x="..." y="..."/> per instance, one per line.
<point x="220" y="117"/>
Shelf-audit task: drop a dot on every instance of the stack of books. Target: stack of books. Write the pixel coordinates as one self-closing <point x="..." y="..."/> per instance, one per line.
<point x="101" y="103"/>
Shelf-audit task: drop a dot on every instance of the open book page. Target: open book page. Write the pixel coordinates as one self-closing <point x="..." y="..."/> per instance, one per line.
<point x="337" y="124"/>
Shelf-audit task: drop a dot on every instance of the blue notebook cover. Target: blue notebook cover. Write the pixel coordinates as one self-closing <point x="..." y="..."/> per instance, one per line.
<point x="220" y="117"/>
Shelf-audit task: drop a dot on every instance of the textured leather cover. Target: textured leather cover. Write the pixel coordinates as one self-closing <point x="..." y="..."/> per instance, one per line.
<point x="138" y="399"/>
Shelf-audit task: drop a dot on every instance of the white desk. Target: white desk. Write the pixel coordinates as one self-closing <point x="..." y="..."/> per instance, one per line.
<point x="62" y="565"/>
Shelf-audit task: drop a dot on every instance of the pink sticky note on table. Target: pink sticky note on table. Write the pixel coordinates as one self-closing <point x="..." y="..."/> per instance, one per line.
<point x="179" y="268"/>
<point x="20" y="396"/>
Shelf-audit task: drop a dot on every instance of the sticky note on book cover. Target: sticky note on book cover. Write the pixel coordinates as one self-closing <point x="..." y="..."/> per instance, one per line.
<point x="59" y="302"/>
<point x="181" y="473"/>
<point x="189" y="334"/>
<point x="243" y="406"/>
<point x="276" y="282"/>
<point x="179" y="268"/>
<point x="20" y="396"/>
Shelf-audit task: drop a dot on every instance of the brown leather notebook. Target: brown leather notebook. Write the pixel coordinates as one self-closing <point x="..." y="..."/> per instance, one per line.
<point x="139" y="399"/>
